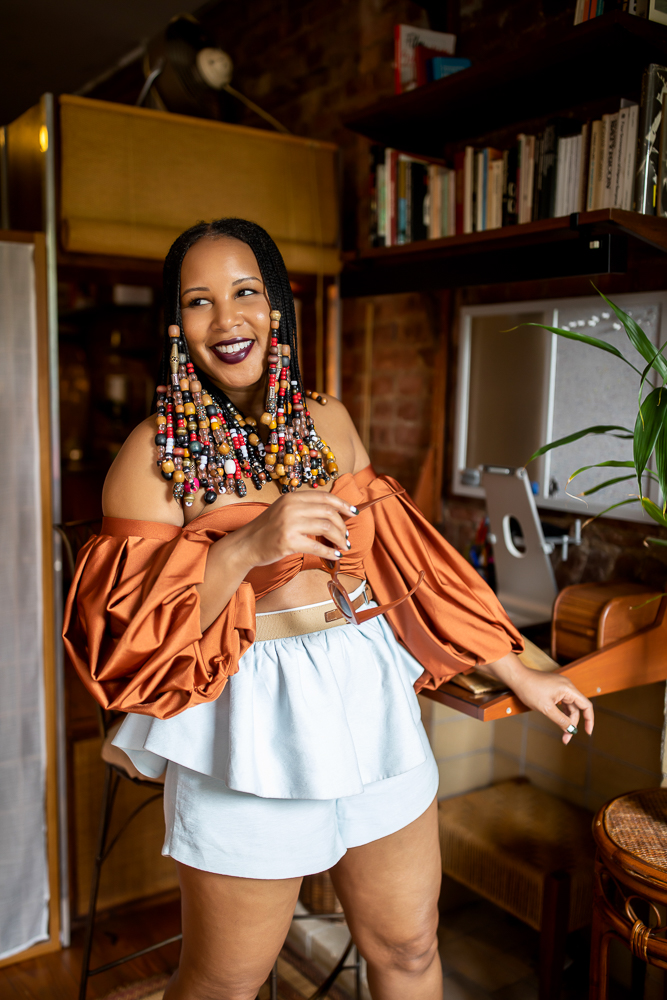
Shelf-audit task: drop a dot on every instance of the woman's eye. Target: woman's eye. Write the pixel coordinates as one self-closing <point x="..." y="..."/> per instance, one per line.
<point x="246" y="291"/>
<point x="198" y="302"/>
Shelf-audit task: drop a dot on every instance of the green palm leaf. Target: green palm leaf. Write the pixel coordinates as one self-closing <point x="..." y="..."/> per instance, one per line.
<point x="612" y="464"/>
<point x="638" y="338"/>
<point x="597" y="429"/>
<point x="650" y="420"/>
<point x="602" y="486"/>
<point x="654" y="511"/>
<point x="583" y="338"/>
<point x="621" y="503"/>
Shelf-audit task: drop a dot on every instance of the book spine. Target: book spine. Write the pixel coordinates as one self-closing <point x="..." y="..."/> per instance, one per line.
<point x="521" y="168"/>
<point x="582" y="188"/>
<point x="579" y="12"/>
<point x="537" y="177"/>
<point x="451" y="204"/>
<point x="434" y="210"/>
<point x="509" y="208"/>
<point x="468" y="189"/>
<point x="380" y="185"/>
<point x="459" y="209"/>
<point x="393" y="199"/>
<point x="619" y="157"/>
<point x="560" y="174"/>
<point x="630" y="158"/>
<point x="530" y="178"/>
<point x="596" y="129"/>
<point x="608" y="194"/>
<point x="648" y="151"/>
<point x="575" y="165"/>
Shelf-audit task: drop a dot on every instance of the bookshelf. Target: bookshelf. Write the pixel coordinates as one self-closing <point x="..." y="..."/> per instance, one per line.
<point x="584" y="67"/>
<point x="608" y="241"/>
<point x="581" y="74"/>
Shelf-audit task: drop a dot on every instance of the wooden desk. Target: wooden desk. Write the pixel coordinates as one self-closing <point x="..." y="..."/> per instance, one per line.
<point x="640" y="658"/>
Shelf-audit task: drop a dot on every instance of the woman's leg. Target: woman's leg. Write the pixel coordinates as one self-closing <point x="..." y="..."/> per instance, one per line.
<point x="233" y="930"/>
<point x="389" y="890"/>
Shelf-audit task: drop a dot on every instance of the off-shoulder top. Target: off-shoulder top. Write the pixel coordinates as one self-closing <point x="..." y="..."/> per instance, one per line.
<point x="132" y="625"/>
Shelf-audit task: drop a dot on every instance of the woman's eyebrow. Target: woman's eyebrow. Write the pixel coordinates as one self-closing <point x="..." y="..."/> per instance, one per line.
<point x="203" y="288"/>
<point x="240" y="281"/>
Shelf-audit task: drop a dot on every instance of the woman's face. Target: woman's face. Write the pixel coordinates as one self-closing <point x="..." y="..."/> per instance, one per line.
<point x="225" y="311"/>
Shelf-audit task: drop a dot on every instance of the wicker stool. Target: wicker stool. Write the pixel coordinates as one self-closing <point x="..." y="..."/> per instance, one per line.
<point x="630" y="881"/>
<point x="529" y="853"/>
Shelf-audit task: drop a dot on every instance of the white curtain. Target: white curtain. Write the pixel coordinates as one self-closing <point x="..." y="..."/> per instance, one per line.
<point x="24" y="884"/>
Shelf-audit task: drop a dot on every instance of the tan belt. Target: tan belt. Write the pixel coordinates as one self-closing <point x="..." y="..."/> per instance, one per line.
<point x="284" y="624"/>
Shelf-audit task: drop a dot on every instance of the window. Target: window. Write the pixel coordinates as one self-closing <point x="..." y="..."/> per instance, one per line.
<point x="521" y="386"/>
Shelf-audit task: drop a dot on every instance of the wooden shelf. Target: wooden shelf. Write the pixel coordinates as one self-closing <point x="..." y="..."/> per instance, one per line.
<point x="600" y="59"/>
<point x="598" y="242"/>
<point x="638" y="659"/>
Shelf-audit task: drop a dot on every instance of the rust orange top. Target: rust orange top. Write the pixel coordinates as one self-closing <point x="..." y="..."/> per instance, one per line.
<point x="132" y="614"/>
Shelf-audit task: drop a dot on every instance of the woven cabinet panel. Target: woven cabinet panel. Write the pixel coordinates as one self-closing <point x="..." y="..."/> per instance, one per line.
<point x="132" y="179"/>
<point x="504" y="840"/>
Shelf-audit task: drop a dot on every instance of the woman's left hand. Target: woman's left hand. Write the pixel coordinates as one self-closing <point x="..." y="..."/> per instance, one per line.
<point x="551" y="694"/>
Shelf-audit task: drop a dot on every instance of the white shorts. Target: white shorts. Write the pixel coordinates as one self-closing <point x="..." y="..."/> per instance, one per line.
<point x="215" y="829"/>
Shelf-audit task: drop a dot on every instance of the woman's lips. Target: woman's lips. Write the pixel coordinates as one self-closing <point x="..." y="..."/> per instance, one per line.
<point x="231" y="352"/>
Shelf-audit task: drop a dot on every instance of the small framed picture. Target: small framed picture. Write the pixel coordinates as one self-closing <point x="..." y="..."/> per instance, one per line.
<point x="657" y="11"/>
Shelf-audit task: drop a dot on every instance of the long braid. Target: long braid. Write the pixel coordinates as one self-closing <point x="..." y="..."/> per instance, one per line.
<point x="191" y="409"/>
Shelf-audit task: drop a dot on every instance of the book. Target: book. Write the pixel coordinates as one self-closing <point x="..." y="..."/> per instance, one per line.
<point x="611" y="136"/>
<point x="418" y="201"/>
<point x="537" y="176"/>
<point x="406" y="40"/>
<point x="402" y="186"/>
<point x="593" y="162"/>
<point x="494" y="200"/>
<point x="451" y="229"/>
<point x="509" y="210"/>
<point x="481" y="171"/>
<point x="459" y="210"/>
<point x="390" y="164"/>
<point x="434" y="202"/>
<point x="440" y="67"/>
<point x="582" y="184"/>
<point x="376" y="193"/>
<point x="619" y="159"/>
<point x="630" y="158"/>
<point x="654" y="87"/>
<point x="525" y="176"/>
<point x="468" y="188"/>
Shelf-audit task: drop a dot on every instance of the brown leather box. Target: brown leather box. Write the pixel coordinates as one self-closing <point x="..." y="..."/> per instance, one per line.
<point x="588" y="616"/>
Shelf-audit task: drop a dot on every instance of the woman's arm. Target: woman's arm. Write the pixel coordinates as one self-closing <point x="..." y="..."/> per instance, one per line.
<point x="544" y="693"/>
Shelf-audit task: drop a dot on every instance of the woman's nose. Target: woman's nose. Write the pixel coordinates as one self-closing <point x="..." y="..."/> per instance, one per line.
<point x="226" y="316"/>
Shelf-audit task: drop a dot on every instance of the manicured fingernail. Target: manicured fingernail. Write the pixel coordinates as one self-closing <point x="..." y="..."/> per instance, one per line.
<point x="349" y="545"/>
<point x="337" y="553"/>
<point x="354" y="510"/>
<point x="571" y="730"/>
<point x="347" y="533"/>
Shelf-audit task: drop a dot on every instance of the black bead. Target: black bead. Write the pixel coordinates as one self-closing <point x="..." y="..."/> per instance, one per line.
<point x="211" y="411"/>
<point x="209" y="496"/>
<point x="161" y="440"/>
<point x="194" y="447"/>
<point x="182" y="442"/>
<point x="167" y="475"/>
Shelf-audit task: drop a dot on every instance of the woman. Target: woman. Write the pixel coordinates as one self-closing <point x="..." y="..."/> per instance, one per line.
<point x="204" y="609"/>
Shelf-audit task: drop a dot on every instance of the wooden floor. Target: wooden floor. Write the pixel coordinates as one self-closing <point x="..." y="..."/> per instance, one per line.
<point x="56" y="976"/>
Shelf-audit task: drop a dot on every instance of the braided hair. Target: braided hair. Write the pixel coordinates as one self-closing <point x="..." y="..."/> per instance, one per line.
<point x="203" y="441"/>
<point x="271" y="266"/>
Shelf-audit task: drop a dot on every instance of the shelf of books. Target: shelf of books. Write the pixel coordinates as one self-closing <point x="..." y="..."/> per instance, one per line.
<point x="566" y="199"/>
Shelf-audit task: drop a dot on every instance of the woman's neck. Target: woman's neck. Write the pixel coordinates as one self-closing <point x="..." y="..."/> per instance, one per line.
<point x="249" y="399"/>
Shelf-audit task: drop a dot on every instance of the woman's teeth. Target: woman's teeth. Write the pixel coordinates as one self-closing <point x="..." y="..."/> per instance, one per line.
<point x="233" y="348"/>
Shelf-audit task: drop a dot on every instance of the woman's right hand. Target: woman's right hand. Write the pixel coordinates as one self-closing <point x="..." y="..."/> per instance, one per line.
<point x="289" y="526"/>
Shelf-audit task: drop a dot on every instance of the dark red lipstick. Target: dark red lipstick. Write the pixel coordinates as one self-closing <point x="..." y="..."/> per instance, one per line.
<point x="230" y="353"/>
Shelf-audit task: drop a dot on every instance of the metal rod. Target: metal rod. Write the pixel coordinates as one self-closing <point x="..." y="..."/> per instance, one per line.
<point x="322" y="990"/>
<point x="135" y="954"/>
<point x="107" y="799"/>
<point x="146" y="802"/>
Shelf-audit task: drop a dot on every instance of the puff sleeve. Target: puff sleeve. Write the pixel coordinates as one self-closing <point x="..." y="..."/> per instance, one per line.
<point x="131" y="624"/>
<point x="454" y="621"/>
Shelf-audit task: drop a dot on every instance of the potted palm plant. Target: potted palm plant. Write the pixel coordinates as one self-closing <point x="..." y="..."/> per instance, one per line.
<point x="649" y="434"/>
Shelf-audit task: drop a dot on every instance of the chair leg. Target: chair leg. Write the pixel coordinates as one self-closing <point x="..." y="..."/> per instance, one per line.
<point x="638" y="978"/>
<point x="600" y="938"/>
<point x="108" y="795"/>
<point x="553" y="934"/>
<point x="273" y="980"/>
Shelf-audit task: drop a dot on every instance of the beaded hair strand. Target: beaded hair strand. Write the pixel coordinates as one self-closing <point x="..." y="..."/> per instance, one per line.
<point x="203" y="441"/>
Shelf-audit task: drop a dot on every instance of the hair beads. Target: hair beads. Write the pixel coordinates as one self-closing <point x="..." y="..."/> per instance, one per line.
<point x="203" y="441"/>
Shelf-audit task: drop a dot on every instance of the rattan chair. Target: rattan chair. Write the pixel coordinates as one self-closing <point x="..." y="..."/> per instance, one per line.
<point x="630" y="883"/>
<point x="529" y="853"/>
<point x="118" y="767"/>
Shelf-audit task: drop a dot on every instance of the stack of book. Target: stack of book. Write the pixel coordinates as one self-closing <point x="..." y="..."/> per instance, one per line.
<point x="618" y="161"/>
<point x="422" y="55"/>
<point x="654" y="10"/>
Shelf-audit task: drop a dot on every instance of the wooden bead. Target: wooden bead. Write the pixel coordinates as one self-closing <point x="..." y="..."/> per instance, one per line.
<point x="167" y="465"/>
<point x="224" y="448"/>
<point x="275" y="314"/>
<point x="270" y="459"/>
<point x="289" y="459"/>
<point x="179" y="476"/>
<point x="266" y="419"/>
<point x="184" y="384"/>
<point x="189" y="408"/>
<point x="295" y="483"/>
<point x="251" y="422"/>
<point x="280" y="469"/>
<point x="332" y="467"/>
<point x="206" y="400"/>
<point x="195" y="386"/>
<point x="274" y="447"/>
<point x="284" y="480"/>
<point x="252" y="438"/>
<point x="174" y="333"/>
<point x="160" y="420"/>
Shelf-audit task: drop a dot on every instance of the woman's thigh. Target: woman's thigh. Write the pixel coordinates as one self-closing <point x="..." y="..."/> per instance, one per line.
<point x="389" y="890"/>
<point x="233" y="930"/>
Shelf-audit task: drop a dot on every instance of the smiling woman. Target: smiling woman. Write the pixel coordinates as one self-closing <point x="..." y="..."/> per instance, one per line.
<point x="291" y="745"/>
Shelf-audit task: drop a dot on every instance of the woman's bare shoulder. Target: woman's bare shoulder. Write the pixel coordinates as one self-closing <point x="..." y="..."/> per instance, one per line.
<point x="134" y="487"/>
<point x="333" y="421"/>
